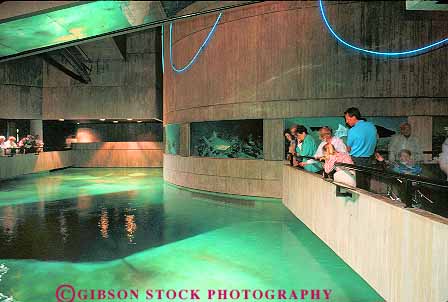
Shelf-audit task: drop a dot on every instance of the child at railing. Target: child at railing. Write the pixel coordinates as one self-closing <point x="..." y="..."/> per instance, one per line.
<point x="341" y="175"/>
<point x="405" y="164"/>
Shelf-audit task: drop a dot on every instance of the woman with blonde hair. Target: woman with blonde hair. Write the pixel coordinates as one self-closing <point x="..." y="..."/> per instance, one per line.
<point x="341" y="174"/>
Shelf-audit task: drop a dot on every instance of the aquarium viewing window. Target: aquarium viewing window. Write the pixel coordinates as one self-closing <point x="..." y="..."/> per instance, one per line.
<point x="227" y="139"/>
<point x="172" y="139"/>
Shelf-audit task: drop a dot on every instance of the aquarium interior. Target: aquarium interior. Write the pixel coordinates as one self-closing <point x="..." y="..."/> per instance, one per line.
<point x="127" y="228"/>
<point x="227" y="139"/>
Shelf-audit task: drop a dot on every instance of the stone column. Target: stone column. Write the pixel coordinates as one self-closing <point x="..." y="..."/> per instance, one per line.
<point x="36" y="128"/>
<point x="184" y="144"/>
<point x="11" y="129"/>
<point x="273" y="140"/>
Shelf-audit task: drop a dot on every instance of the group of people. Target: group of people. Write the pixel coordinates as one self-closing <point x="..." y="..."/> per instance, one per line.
<point x="360" y="150"/>
<point x="28" y="144"/>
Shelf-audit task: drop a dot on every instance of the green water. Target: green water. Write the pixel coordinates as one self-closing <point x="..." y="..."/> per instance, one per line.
<point x="127" y="229"/>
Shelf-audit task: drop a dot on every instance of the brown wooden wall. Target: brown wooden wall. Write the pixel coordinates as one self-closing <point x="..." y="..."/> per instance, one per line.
<point x="276" y="59"/>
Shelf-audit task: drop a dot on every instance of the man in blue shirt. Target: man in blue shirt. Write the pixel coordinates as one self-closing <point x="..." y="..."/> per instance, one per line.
<point x="361" y="143"/>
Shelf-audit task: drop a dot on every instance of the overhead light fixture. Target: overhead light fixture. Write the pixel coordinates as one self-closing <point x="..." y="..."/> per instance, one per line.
<point x="139" y="121"/>
<point x="61" y="120"/>
<point x="78" y="123"/>
<point x="115" y="122"/>
<point x="102" y="119"/>
<point x="129" y="119"/>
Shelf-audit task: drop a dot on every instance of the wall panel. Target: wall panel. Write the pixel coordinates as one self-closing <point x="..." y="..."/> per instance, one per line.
<point x="120" y="88"/>
<point x="232" y="176"/>
<point x="118" y="154"/>
<point x="22" y="164"/>
<point x="21" y="89"/>
<point x="273" y="139"/>
<point x="184" y="140"/>
<point x="398" y="251"/>
<point x="277" y="59"/>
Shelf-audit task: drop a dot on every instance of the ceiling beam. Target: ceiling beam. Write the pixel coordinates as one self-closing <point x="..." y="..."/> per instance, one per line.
<point x="50" y="60"/>
<point x="121" y="44"/>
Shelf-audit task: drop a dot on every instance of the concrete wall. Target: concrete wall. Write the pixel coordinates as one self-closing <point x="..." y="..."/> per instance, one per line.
<point x="120" y="88"/>
<point x="118" y="154"/>
<point x="21" y="89"/>
<point x="22" y="164"/>
<point x="121" y="132"/>
<point x="253" y="177"/>
<point x="276" y="59"/>
<point x="232" y="176"/>
<point x="401" y="253"/>
<point x="98" y="155"/>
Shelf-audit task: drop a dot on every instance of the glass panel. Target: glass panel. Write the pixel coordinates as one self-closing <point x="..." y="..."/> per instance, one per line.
<point x="228" y="139"/>
<point x="172" y="139"/>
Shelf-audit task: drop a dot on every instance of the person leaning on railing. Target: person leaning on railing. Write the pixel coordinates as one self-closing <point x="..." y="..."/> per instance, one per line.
<point x="443" y="158"/>
<point x="405" y="164"/>
<point x="404" y="141"/>
<point x="10" y="145"/>
<point x="340" y="174"/>
<point x="291" y="148"/>
<point x="306" y="147"/>
<point x="28" y="144"/>
<point x="326" y="136"/>
<point x="361" y="143"/>
<point x="2" y="145"/>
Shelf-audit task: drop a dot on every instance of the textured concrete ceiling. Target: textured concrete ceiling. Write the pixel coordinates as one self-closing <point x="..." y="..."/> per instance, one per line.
<point x="436" y="5"/>
<point x="32" y="27"/>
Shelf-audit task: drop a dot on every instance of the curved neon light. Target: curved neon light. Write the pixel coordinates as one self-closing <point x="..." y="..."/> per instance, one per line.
<point x="372" y="52"/>
<point x="201" y="48"/>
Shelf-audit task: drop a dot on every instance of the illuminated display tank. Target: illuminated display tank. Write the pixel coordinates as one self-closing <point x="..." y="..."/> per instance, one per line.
<point x="172" y="138"/>
<point x="227" y="139"/>
<point x="127" y="229"/>
<point x="72" y="23"/>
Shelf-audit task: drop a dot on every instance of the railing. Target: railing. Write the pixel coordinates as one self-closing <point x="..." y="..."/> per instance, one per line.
<point x="17" y="151"/>
<point x="412" y="190"/>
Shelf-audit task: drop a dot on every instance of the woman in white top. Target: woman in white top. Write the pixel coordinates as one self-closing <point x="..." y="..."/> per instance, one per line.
<point x="443" y="158"/>
<point x="10" y="144"/>
<point x="2" y="145"/>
